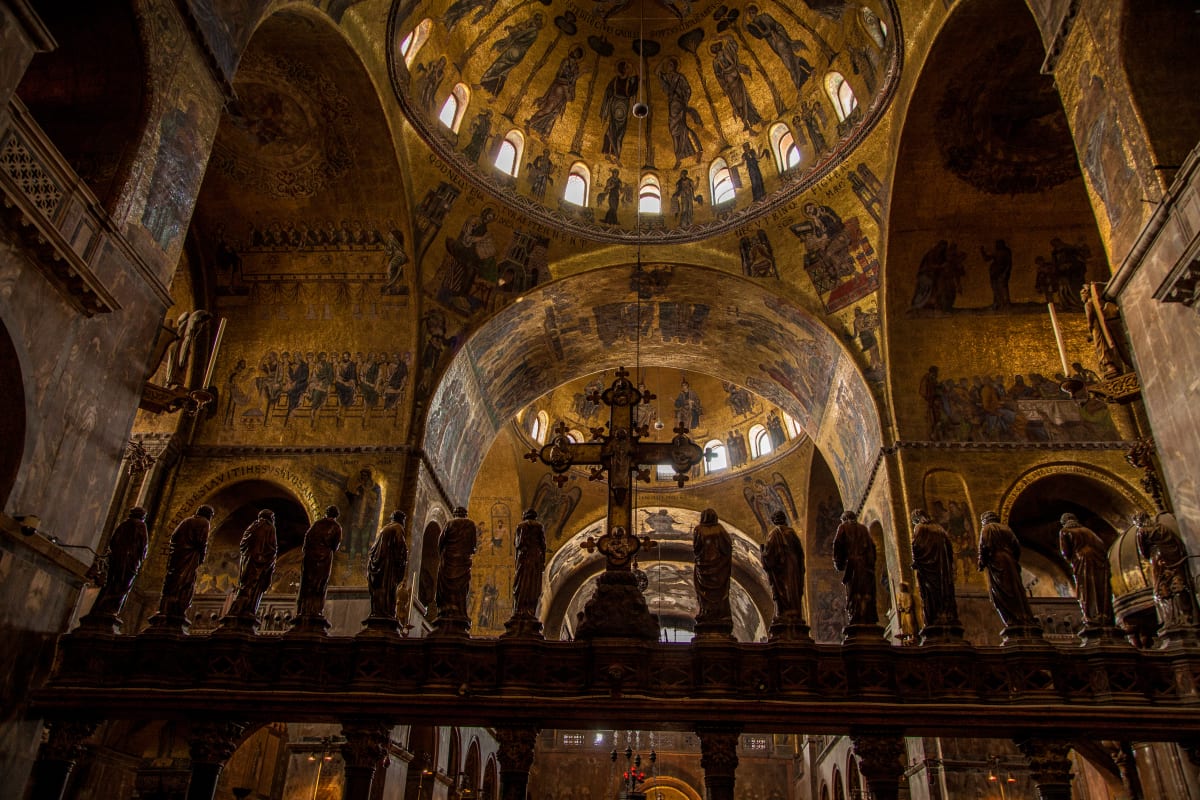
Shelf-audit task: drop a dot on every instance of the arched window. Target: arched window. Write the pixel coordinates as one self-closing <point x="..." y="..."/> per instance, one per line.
<point x="576" y="437"/>
<point x="876" y="28"/>
<point x="791" y="426"/>
<point x="665" y="472"/>
<point x="840" y="93"/>
<point x="650" y="195"/>
<point x="760" y="441"/>
<point x="539" y="427"/>
<point x="508" y="157"/>
<point x="783" y="145"/>
<point x="411" y="44"/>
<point x="455" y="107"/>
<point x="578" y="180"/>
<point x="720" y="179"/>
<point x="715" y="457"/>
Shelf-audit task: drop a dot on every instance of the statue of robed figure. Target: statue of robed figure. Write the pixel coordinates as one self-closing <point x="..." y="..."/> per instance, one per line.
<point x="387" y="567"/>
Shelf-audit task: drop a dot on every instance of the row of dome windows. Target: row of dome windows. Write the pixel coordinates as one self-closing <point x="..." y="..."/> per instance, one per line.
<point x="723" y="182"/>
<point x="762" y="442"/>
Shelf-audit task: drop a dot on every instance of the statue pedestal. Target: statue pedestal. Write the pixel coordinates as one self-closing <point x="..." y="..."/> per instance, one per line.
<point x="167" y="627"/>
<point x="236" y="626"/>
<point x="942" y="634"/>
<point x="1022" y="635"/>
<point x="108" y="624"/>
<point x="1179" y="637"/>
<point x="865" y="634"/>
<point x="525" y="626"/>
<point x="617" y="610"/>
<point x="380" y="627"/>
<point x="1097" y="635"/>
<point x="451" y="625"/>
<point x="309" y="625"/>
<point x="718" y="631"/>
<point x="789" y="628"/>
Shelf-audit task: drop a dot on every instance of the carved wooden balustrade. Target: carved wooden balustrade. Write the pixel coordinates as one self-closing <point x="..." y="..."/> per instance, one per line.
<point x="954" y="689"/>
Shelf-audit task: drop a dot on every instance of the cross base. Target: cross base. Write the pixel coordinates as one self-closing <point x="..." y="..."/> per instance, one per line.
<point x="617" y="609"/>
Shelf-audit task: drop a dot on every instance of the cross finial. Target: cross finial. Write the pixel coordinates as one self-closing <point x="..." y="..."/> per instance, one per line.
<point x="680" y="430"/>
<point x="622" y="372"/>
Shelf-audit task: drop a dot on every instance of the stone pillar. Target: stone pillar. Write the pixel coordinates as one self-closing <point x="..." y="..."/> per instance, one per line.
<point x="57" y="757"/>
<point x="881" y="761"/>
<point x="516" y="757"/>
<point x="1127" y="763"/>
<point x="1050" y="766"/>
<point x="719" y="760"/>
<point x="365" y="748"/>
<point x="211" y="744"/>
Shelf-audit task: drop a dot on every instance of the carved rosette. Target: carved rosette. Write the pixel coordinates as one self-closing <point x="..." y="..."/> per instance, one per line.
<point x="214" y="742"/>
<point x="366" y="743"/>
<point x="1050" y="765"/>
<point x="64" y="741"/>
<point x="881" y="761"/>
<point x="516" y="748"/>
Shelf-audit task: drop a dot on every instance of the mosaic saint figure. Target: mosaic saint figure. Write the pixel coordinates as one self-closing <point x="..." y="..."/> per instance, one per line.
<point x="561" y="91"/>
<point x="321" y="541"/>
<point x="612" y="195"/>
<point x="428" y="80"/>
<point x="511" y="48"/>
<point x="1088" y="557"/>
<point x="1160" y="542"/>
<point x="933" y="562"/>
<point x="854" y="557"/>
<point x="729" y="72"/>
<point x="456" y="547"/>
<point x="461" y="8"/>
<point x="539" y="171"/>
<point x="683" y="200"/>
<point x="1000" y="556"/>
<point x="387" y="566"/>
<point x="259" y="547"/>
<point x="189" y="544"/>
<point x="679" y="93"/>
<point x="763" y="26"/>
<point x="750" y="158"/>
<point x="126" y="551"/>
<point x="481" y="131"/>
<point x="713" y="548"/>
<point x="614" y="110"/>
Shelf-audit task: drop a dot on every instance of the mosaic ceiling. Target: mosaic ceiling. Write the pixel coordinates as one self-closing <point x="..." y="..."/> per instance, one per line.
<point x="658" y="120"/>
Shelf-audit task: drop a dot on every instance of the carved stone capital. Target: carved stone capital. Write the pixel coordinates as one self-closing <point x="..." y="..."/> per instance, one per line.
<point x="214" y="742"/>
<point x="880" y="760"/>
<point x="718" y="751"/>
<point x="64" y="741"/>
<point x="516" y="748"/>
<point x="1050" y="765"/>
<point x="366" y="742"/>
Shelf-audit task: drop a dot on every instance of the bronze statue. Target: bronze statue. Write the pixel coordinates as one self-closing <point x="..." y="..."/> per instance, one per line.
<point x="854" y="557"/>
<point x="713" y="548"/>
<point x="933" y="562"/>
<point x="1088" y="557"/>
<point x="321" y="541"/>
<point x="387" y="567"/>
<point x="527" y="581"/>
<point x="126" y="552"/>
<point x="189" y="544"/>
<point x="456" y="547"/>
<point x="258" y="548"/>
<point x="1160" y="542"/>
<point x="783" y="561"/>
<point x="1000" y="555"/>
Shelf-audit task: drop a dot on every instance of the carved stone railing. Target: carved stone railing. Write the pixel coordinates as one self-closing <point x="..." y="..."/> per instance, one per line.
<point x="941" y="690"/>
<point x="61" y="219"/>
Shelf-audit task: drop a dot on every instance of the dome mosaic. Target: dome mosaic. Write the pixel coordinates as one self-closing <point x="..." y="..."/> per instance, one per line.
<point x="655" y="120"/>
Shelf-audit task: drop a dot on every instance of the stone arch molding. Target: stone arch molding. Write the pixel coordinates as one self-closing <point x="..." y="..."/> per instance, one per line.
<point x="283" y="477"/>
<point x="703" y="320"/>
<point x="668" y="781"/>
<point x="1032" y="476"/>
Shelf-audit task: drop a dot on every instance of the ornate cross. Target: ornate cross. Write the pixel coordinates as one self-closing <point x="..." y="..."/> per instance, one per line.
<point x="621" y="453"/>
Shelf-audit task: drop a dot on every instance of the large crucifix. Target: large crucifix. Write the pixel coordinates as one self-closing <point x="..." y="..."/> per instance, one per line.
<point x="615" y="610"/>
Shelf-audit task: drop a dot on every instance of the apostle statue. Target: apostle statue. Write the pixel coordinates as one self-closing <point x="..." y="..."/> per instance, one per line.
<point x="387" y="566"/>
<point x="527" y="582"/>
<point x="1088" y="557"/>
<point x="257" y="564"/>
<point x="456" y="546"/>
<point x="321" y="541"/>
<point x="854" y="557"/>
<point x="126" y="552"/>
<point x="713" y="548"/>
<point x="1000" y="555"/>
<point x="1160" y="542"/>
<point x="933" y="562"/>
<point x="189" y="544"/>
<point x="783" y="561"/>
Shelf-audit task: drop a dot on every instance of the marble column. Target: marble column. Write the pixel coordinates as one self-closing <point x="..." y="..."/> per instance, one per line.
<point x="211" y="744"/>
<point x="881" y="761"/>
<point x="719" y="760"/>
<point x="516" y="757"/>
<point x="57" y="757"/>
<point x="363" y="751"/>
<point x="1049" y="764"/>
